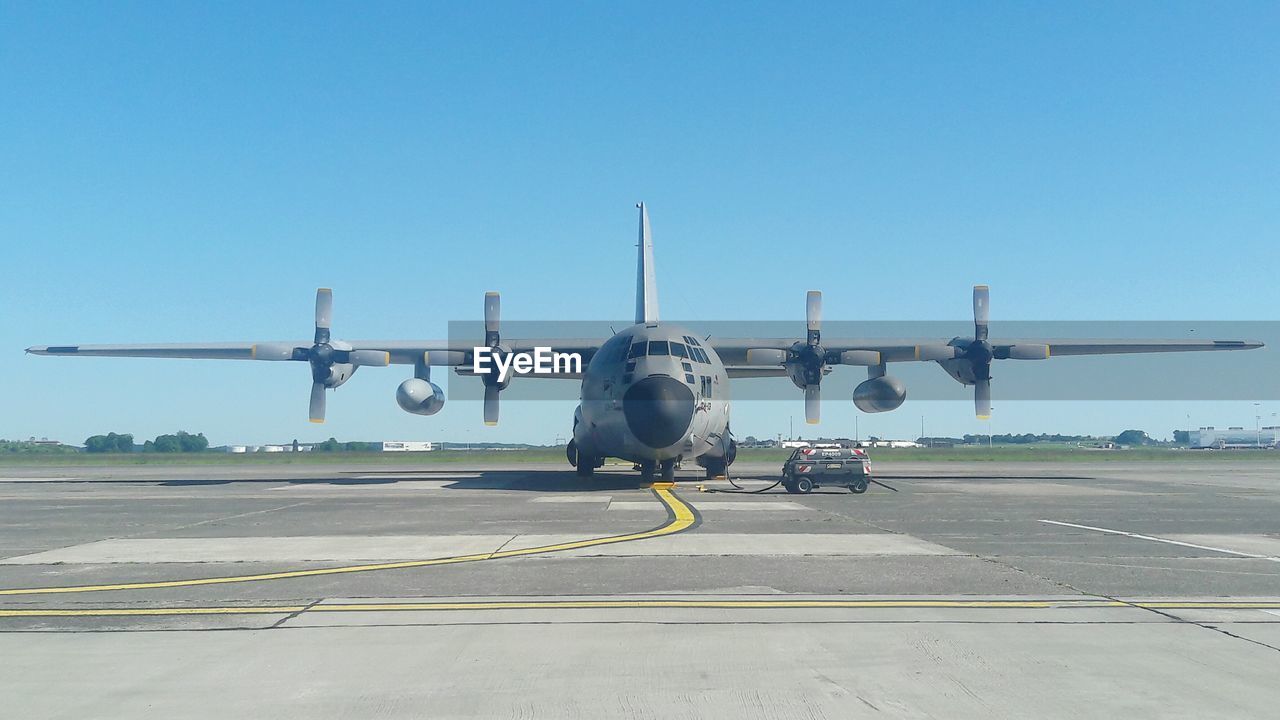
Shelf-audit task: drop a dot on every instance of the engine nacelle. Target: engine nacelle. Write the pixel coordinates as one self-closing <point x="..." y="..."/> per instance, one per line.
<point x="880" y="394"/>
<point x="420" y="397"/>
<point x="338" y="373"/>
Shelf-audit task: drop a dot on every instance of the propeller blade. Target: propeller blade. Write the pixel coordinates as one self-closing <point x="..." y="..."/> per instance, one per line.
<point x="324" y="314"/>
<point x="492" y="316"/>
<point x="813" y="404"/>
<point x="491" y="404"/>
<point x="981" y="311"/>
<point x="369" y="358"/>
<point x="982" y="399"/>
<point x="273" y="351"/>
<point x="317" y="402"/>
<point x="813" y="316"/>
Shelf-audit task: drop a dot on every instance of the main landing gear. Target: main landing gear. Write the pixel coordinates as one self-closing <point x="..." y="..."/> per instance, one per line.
<point x="669" y="470"/>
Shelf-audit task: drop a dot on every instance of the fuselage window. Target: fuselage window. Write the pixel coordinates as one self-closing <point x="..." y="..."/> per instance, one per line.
<point x="689" y="379"/>
<point x="659" y="347"/>
<point x="620" y="353"/>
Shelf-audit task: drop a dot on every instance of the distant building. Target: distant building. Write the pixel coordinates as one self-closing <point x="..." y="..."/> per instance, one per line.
<point x="406" y="446"/>
<point x="1234" y="437"/>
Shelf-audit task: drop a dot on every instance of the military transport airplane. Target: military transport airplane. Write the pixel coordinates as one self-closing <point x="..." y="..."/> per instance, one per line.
<point x="654" y="393"/>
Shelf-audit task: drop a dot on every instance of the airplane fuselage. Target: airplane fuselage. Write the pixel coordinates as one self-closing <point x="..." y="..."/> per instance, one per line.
<point x="653" y="393"/>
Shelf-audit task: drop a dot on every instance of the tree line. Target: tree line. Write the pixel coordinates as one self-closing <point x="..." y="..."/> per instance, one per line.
<point x="181" y="441"/>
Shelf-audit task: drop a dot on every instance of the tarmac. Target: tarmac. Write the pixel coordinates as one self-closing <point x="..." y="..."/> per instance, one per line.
<point x="969" y="590"/>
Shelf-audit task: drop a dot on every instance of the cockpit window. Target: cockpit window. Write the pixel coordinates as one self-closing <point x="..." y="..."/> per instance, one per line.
<point x="615" y="349"/>
<point x="638" y="349"/>
<point x="679" y="350"/>
<point x="659" y="347"/>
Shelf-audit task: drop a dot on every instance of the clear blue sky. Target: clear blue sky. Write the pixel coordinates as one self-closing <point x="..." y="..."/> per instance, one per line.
<point x="179" y="171"/>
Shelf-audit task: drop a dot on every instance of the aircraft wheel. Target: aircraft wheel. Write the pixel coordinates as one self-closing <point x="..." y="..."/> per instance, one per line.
<point x="669" y="471"/>
<point x="804" y="485"/>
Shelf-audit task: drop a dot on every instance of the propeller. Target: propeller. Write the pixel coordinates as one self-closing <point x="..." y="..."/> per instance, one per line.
<point x="492" y="339"/>
<point x="979" y="352"/>
<point x="807" y="361"/>
<point x="970" y="360"/>
<point x="323" y="355"/>
<point x="812" y="358"/>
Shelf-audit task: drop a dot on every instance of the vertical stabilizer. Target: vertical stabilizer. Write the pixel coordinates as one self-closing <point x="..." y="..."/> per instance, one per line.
<point x="646" y="281"/>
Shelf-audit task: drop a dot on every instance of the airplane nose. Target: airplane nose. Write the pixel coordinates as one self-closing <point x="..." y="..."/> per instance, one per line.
<point x="658" y="410"/>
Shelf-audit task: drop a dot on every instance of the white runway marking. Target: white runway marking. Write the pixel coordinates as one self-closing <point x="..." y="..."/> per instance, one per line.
<point x="1167" y="541"/>
<point x="35" y="479"/>
<point x="356" y="548"/>
<point x="1039" y="489"/>
<point x="747" y="544"/>
<point x="360" y="548"/>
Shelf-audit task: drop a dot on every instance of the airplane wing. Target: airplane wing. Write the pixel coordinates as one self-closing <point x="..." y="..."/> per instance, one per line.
<point x="734" y="351"/>
<point x="332" y="362"/>
<point x="397" y="352"/>
<point x="807" y="359"/>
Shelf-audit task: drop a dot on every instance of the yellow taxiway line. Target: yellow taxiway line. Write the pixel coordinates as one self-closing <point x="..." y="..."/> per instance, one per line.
<point x="760" y="604"/>
<point x="680" y="518"/>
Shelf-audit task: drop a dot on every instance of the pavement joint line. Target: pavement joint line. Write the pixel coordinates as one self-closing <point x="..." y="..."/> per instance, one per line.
<point x="680" y="517"/>
<point x="293" y="611"/>
<point x="1167" y="541"/>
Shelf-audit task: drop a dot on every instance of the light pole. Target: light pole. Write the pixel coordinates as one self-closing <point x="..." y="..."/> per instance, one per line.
<point x="1257" y="425"/>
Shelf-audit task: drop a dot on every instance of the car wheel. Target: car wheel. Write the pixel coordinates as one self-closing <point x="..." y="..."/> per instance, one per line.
<point x="859" y="486"/>
<point x="789" y="486"/>
<point x="804" y="485"/>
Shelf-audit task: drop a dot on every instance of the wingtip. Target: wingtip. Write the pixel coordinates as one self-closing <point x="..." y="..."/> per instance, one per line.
<point x="491" y="423"/>
<point x="984" y="417"/>
<point x="318" y="421"/>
